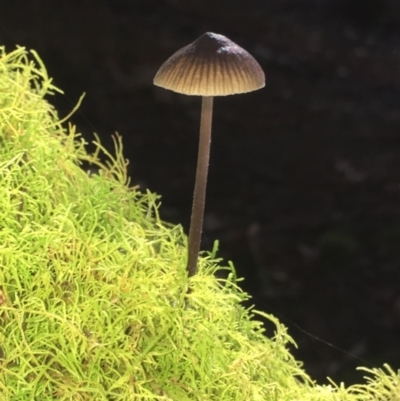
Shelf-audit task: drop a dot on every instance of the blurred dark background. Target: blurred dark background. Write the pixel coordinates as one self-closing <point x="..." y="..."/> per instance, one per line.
<point x="303" y="191"/>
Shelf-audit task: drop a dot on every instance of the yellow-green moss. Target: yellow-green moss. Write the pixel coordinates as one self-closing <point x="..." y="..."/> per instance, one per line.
<point x="93" y="284"/>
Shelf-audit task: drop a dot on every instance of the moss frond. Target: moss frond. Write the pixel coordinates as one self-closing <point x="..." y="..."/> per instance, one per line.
<point x="381" y="385"/>
<point x="93" y="283"/>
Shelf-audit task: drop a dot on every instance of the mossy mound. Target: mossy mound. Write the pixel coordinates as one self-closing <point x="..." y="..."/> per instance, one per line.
<point x="93" y="285"/>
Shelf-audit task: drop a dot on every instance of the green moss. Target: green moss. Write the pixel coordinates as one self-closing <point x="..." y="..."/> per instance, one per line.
<point x="93" y="284"/>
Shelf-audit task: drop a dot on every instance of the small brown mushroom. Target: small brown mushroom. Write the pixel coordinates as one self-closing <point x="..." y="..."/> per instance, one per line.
<point x="210" y="66"/>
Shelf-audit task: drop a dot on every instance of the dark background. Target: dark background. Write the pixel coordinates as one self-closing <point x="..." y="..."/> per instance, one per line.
<point x="304" y="179"/>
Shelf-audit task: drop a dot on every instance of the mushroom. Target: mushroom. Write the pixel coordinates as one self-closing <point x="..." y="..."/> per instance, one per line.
<point x="210" y="66"/>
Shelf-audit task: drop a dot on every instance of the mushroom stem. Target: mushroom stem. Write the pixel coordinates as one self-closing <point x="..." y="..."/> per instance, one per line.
<point x="199" y="195"/>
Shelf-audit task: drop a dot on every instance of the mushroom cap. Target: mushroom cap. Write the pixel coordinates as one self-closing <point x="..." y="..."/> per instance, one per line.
<point x="211" y="66"/>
